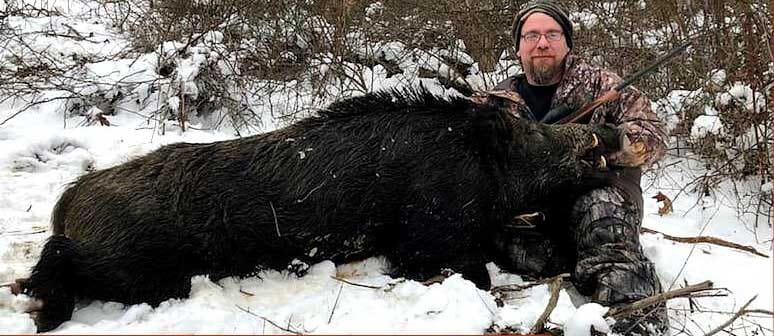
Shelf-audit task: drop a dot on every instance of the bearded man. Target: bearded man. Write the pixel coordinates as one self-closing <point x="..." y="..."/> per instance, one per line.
<point x="596" y="236"/>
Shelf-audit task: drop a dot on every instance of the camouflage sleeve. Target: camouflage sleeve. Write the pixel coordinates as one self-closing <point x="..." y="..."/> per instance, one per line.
<point x="503" y="94"/>
<point x="506" y="85"/>
<point x="644" y="131"/>
<point x="510" y="100"/>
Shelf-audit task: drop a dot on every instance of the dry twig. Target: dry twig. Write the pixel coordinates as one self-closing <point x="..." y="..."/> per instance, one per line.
<point x="707" y="240"/>
<point x="658" y="298"/>
<point x="354" y="283"/>
<point x="741" y="312"/>
<point x="246" y="292"/>
<point x="518" y="288"/>
<point x="555" y="285"/>
<point x="267" y="320"/>
<point x="19" y="233"/>
<point x="759" y="311"/>
<point x="335" y="304"/>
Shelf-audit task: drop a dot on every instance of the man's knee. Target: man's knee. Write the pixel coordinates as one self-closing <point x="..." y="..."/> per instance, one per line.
<point x="604" y="216"/>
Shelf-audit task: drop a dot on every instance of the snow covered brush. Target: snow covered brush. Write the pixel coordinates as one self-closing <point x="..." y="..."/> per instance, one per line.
<point x="428" y="182"/>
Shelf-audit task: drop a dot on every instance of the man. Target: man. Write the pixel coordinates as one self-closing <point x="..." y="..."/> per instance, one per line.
<point x="596" y="237"/>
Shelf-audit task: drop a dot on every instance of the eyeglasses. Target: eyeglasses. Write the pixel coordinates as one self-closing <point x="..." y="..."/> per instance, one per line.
<point x="533" y="37"/>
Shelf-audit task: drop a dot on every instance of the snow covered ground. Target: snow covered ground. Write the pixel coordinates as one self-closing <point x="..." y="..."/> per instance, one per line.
<point x="40" y="152"/>
<point x="37" y="164"/>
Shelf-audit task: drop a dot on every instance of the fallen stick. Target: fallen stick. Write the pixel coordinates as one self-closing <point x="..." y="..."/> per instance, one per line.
<point x="353" y="283"/>
<point x="759" y="311"/>
<point x="732" y="319"/>
<point x="336" y="303"/>
<point x="19" y="233"/>
<point x="658" y="298"/>
<point x="707" y="240"/>
<point x="518" y="288"/>
<point x="555" y="285"/>
<point x="288" y="330"/>
<point x="246" y="292"/>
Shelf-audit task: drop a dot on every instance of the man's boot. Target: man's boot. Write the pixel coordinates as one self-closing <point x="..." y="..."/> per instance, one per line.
<point x="611" y="267"/>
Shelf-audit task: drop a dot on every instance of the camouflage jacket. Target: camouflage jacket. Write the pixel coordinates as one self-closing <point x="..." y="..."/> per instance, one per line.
<point x="583" y="82"/>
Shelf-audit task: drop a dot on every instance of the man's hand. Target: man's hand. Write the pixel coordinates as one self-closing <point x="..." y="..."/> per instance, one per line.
<point x="630" y="155"/>
<point x="510" y="100"/>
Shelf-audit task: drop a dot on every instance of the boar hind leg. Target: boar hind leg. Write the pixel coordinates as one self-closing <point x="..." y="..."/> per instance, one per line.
<point x="154" y="290"/>
<point x="134" y="275"/>
<point x="68" y="270"/>
<point x="52" y="283"/>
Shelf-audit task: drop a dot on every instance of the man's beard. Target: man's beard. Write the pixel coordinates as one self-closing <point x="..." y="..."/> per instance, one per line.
<point x="545" y="73"/>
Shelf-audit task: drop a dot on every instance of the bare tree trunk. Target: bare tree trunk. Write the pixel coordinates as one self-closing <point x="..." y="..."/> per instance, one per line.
<point x="771" y="109"/>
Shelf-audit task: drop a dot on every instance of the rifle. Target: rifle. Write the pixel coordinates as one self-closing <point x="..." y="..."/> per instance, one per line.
<point x="614" y="93"/>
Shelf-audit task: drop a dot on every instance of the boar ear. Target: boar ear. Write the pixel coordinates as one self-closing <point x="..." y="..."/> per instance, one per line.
<point x="492" y="131"/>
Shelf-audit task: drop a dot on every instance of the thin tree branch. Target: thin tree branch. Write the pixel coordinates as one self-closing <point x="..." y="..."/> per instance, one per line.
<point x="759" y="311"/>
<point x="335" y="304"/>
<point x="518" y="288"/>
<point x="732" y="319"/>
<point x="707" y="240"/>
<point x="658" y="298"/>
<point x="354" y="283"/>
<point x="555" y="286"/>
<point x="246" y="310"/>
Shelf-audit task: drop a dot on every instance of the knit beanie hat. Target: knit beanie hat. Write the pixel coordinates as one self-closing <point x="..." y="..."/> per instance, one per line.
<point x="548" y="7"/>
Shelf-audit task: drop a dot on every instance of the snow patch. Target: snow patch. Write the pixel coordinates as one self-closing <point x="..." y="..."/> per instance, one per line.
<point x="705" y="125"/>
<point x="587" y="316"/>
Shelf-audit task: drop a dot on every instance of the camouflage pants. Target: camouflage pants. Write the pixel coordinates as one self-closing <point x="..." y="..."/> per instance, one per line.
<point x="597" y="240"/>
<point x="611" y="266"/>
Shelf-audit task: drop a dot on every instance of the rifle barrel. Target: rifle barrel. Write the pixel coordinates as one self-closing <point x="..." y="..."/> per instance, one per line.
<point x="628" y="81"/>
